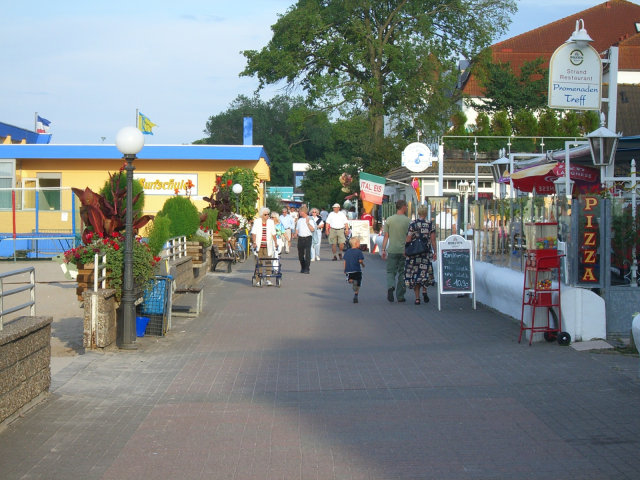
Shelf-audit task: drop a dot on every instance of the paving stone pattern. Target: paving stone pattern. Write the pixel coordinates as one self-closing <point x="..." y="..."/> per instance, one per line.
<point x="300" y="383"/>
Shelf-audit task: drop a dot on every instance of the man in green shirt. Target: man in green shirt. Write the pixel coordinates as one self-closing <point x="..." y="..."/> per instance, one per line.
<point x="395" y="236"/>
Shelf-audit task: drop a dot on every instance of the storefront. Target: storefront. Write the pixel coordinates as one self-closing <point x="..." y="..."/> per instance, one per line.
<point x="37" y="178"/>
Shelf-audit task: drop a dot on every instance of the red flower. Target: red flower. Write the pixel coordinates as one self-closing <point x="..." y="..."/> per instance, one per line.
<point x="89" y="236"/>
<point x="115" y="234"/>
<point x="229" y="182"/>
<point x="101" y="235"/>
<point x="116" y="246"/>
<point x="218" y="180"/>
<point x="157" y="259"/>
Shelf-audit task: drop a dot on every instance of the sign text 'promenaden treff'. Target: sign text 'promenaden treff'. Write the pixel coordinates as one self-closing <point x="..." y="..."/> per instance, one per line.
<point x="575" y="78"/>
<point x="167" y="183"/>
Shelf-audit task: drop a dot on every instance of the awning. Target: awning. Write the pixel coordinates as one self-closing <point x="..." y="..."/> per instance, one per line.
<point x="540" y="178"/>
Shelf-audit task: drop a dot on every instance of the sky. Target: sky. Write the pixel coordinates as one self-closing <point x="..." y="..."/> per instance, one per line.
<point x="86" y="66"/>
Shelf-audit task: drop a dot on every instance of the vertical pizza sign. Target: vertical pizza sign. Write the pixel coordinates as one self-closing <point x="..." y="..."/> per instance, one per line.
<point x="589" y="273"/>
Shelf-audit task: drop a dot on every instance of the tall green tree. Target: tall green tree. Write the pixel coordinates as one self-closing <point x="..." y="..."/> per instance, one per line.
<point x="505" y="89"/>
<point x="383" y="56"/>
<point x="289" y="130"/>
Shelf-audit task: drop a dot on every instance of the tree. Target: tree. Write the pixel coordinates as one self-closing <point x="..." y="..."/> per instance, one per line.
<point x="289" y="131"/>
<point x="500" y="125"/>
<point x="383" y="56"/>
<point x="506" y="90"/>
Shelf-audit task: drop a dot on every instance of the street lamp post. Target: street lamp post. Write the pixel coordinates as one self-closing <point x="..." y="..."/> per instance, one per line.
<point x="129" y="141"/>
<point x="237" y="189"/>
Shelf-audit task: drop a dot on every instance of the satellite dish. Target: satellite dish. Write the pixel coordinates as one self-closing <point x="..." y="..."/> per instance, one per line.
<point x="416" y="157"/>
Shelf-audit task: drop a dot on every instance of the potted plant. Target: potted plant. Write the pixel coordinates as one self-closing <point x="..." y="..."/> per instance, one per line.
<point x="104" y="222"/>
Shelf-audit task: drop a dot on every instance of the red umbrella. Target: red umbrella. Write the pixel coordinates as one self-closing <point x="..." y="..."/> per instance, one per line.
<point x="541" y="177"/>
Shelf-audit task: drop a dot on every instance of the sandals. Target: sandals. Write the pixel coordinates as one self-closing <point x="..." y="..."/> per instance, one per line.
<point x="417" y="301"/>
<point x="425" y="296"/>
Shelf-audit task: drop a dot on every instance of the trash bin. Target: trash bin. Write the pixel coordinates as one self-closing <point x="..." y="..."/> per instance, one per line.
<point x="156" y="306"/>
<point x="244" y="241"/>
<point x="141" y="325"/>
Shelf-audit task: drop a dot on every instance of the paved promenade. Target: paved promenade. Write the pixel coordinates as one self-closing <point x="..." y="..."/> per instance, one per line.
<point x="300" y="383"/>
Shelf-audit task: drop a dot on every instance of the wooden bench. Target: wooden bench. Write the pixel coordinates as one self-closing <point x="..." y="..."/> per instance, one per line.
<point x="197" y="290"/>
<point x="217" y="257"/>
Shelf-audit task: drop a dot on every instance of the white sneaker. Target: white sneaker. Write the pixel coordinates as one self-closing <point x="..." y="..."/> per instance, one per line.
<point x="317" y="259"/>
<point x="313" y="259"/>
<point x="269" y="284"/>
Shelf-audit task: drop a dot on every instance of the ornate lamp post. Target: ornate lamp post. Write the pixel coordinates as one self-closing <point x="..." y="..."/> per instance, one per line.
<point x="237" y="189"/>
<point x="129" y="141"/>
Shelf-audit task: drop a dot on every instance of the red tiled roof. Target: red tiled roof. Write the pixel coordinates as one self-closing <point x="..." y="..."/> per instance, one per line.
<point x="609" y="24"/>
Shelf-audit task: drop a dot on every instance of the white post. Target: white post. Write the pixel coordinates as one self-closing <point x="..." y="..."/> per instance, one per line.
<point x="440" y="169"/>
<point x="634" y="260"/>
<point x="613" y="100"/>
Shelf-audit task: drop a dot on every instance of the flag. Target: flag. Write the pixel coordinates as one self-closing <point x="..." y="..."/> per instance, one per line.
<point x="145" y="125"/>
<point x="42" y="125"/>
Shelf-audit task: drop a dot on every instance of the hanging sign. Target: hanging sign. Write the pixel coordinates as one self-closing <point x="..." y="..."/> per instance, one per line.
<point x="371" y="188"/>
<point x="456" y="267"/>
<point x="168" y="183"/>
<point x="416" y="157"/>
<point x="575" y="78"/>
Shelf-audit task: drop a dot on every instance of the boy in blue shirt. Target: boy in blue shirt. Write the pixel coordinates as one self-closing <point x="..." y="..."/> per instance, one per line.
<point x="353" y="260"/>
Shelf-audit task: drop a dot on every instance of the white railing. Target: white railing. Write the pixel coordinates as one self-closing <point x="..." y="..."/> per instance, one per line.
<point x="99" y="272"/>
<point x="176" y="247"/>
<point x="31" y="287"/>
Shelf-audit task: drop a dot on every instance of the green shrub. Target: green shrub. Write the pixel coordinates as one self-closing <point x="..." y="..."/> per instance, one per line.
<point x="200" y="237"/>
<point x="159" y="233"/>
<point x="184" y="216"/>
<point x="211" y="221"/>
<point x="105" y="191"/>
<point x="225" y="233"/>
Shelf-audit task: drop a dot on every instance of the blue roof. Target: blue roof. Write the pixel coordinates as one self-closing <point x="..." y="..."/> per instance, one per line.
<point x="19" y="134"/>
<point x="149" y="152"/>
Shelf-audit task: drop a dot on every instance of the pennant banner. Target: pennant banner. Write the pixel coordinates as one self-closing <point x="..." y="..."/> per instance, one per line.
<point x="371" y="188"/>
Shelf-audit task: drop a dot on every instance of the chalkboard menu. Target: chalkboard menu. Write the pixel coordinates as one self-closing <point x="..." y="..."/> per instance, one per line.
<point x="456" y="271"/>
<point x="455" y="268"/>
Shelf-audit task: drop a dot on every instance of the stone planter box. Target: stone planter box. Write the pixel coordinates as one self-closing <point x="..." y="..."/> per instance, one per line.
<point x="25" y="356"/>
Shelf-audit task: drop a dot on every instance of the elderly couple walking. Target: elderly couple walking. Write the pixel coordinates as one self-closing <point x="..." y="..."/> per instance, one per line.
<point x="412" y="271"/>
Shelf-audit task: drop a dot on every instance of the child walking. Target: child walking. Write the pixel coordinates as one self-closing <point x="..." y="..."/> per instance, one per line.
<point x="353" y="261"/>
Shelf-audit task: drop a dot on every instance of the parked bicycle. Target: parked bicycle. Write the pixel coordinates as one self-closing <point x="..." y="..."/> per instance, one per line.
<point x="235" y="248"/>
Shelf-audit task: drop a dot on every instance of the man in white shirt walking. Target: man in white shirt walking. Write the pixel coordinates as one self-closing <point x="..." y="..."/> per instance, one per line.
<point x="337" y="227"/>
<point x="305" y="226"/>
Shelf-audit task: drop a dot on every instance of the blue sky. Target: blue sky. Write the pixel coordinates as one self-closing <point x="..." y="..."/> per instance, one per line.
<point x="87" y="65"/>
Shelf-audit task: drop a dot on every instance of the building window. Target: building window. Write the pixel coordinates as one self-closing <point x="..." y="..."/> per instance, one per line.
<point x="7" y="180"/>
<point x="49" y="186"/>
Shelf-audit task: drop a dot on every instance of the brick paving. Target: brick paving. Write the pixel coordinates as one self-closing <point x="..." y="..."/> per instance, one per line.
<point x="299" y="383"/>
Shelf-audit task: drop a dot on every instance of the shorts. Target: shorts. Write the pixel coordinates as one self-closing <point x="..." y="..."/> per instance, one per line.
<point x="336" y="236"/>
<point x="356" y="277"/>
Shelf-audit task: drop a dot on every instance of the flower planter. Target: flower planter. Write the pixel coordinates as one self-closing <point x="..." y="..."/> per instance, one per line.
<point x="84" y="278"/>
<point x="216" y="239"/>
<point x="196" y="252"/>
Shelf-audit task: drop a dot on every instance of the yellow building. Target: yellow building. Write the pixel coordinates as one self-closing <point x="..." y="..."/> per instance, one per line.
<point x="37" y="178"/>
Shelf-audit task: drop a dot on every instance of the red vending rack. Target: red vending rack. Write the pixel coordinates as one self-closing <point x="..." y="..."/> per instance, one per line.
<point x="538" y="292"/>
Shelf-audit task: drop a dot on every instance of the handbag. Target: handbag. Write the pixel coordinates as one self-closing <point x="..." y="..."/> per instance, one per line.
<point x="415" y="247"/>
